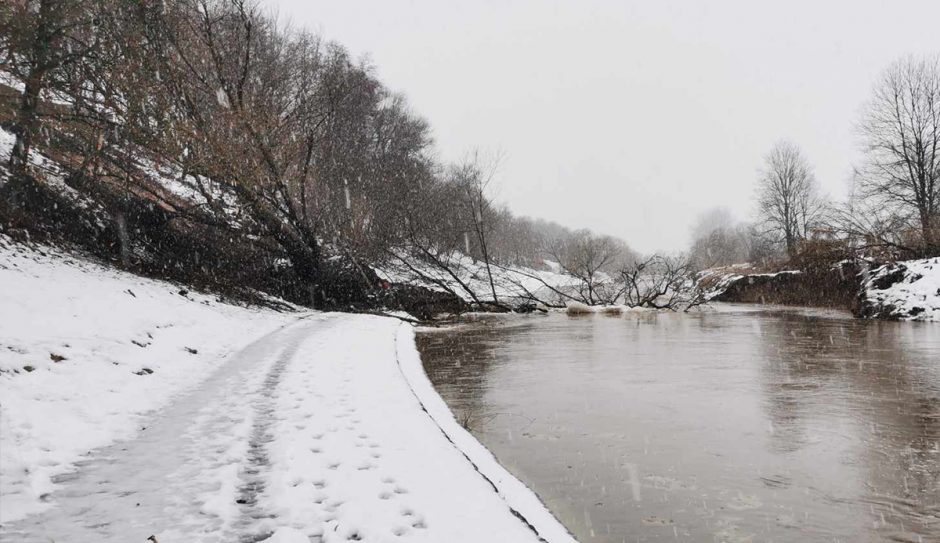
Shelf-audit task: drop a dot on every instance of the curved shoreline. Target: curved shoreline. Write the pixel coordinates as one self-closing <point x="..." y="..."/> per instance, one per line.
<point x="521" y="500"/>
<point x="315" y="432"/>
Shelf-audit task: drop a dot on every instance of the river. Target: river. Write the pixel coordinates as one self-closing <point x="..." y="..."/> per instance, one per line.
<point x="742" y="423"/>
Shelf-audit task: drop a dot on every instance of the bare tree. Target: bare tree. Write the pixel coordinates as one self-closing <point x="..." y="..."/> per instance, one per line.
<point x="871" y="228"/>
<point x="473" y="176"/>
<point x="661" y="282"/>
<point x="585" y="255"/>
<point x="901" y="131"/>
<point x="41" y="37"/>
<point x="787" y="195"/>
<point x="718" y="239"/>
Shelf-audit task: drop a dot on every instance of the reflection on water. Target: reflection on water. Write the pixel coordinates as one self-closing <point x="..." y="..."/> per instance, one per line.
<point x="736" y="425"/>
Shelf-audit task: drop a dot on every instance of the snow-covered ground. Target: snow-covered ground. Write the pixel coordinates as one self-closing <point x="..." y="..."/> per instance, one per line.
<point x="85" y="351"/>
<point x="908" y="290"/>
<point x="131" y="407"/>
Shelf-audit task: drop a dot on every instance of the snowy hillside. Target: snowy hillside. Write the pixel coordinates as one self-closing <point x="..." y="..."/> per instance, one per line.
<point x="86" y="350"/>
<point x="908" y="290"/>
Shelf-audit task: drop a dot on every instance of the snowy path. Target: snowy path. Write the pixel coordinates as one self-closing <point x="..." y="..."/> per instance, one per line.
<point x="311" y="433"/>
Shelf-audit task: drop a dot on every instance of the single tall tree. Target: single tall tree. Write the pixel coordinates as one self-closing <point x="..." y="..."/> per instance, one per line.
<point x="787" y="195"/>
<point x="901" y="132"/>
<point x="473" y="176"/>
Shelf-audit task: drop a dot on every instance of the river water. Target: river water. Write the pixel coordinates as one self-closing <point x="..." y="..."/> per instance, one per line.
<point x="744" y="423"/>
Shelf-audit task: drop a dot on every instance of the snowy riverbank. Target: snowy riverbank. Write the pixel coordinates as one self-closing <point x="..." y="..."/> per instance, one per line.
<point x="908" y="290"/>
<point x="131" y="407"/>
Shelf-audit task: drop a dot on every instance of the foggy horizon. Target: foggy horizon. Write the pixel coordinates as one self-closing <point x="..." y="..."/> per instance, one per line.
<point x="633" y="119"/>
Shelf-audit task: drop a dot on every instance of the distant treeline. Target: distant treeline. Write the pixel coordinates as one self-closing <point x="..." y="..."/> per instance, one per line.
<point x="893" y="208"/>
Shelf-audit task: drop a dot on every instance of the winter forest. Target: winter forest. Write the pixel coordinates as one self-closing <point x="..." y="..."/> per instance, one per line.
<point x="244" y="295"/>
<point x="188" y="137"/>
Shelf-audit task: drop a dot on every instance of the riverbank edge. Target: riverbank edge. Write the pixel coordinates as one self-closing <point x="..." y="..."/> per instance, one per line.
<point x="897" y="291"/>
<point x="521" y="500"/>
<point x="836" y="287"/>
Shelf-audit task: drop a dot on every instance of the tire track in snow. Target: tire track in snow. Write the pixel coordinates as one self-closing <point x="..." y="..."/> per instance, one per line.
<point x="162" y="480"/>
<point x="257" y="461"/>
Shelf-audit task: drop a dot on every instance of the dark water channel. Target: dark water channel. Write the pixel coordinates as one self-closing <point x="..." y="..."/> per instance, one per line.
<point x="741" y="424"/>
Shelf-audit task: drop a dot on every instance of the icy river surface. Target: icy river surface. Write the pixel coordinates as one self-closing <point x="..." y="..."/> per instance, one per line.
<point x="738" y="424"/>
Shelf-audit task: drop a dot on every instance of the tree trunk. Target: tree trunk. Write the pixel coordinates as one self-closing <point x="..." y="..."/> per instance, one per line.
<point x="305" y="260"/>
<point x="489" y="272"/>
<point x="123" y="238"/>
<point x="27" y="117"/>
<point x="926" y="227"/>
<point x="24" y="129"/>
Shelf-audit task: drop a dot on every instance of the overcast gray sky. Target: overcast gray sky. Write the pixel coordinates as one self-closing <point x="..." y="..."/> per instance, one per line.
<point x="631" y="117"/>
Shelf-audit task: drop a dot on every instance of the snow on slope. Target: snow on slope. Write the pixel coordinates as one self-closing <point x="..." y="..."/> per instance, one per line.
<point x="192" y="190"/>
<point x="322" y="428"/>
<point x="908" y="290"/>
<point x="510" y="282"/>
<point x="53" y="175"/>
<point x="85" y="351"/>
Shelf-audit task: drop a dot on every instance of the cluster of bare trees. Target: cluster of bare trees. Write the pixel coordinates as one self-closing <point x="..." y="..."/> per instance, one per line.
<point x="302" y="143"/>
<point x="591" y="259"/>
<point x="282" y="136"/>
<point x="718" y="239"/>
<point x="604" y="271"/>
<point x="286" y="138"/>
<point x="894" y="206"/>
